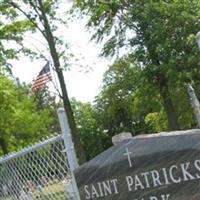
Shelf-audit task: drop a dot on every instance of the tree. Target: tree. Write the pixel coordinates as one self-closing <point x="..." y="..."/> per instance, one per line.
<point x="42" y="15"/>
<point x="126" y="99"/>
<point x="92" y="134"/>
<point x="12" y="30"/>
<point x="116" y="100"/>
<point x="20" y="123"/>
<point x="129" y="102"/>
<point x="160" y="34"/>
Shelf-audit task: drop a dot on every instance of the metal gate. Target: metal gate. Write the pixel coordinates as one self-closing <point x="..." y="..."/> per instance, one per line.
<point x="37" y="172"/>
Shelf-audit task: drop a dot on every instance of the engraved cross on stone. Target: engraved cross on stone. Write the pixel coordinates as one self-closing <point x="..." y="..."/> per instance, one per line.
<point x="128" y="153"/>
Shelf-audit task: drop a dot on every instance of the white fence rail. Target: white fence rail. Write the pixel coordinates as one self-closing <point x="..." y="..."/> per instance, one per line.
<point x="37" y="172"/>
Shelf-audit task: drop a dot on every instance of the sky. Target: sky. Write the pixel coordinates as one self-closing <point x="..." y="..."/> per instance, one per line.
<point x="83" y="83"/>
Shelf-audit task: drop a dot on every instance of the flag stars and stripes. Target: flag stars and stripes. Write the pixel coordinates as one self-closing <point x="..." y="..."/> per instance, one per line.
<point x="43" y="77"/>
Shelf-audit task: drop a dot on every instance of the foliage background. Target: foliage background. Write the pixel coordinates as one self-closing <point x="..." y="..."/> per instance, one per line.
<point x="144" y="90"/>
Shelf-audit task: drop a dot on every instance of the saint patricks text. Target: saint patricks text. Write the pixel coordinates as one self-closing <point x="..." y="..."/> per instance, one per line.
<point x="173" y="174"/>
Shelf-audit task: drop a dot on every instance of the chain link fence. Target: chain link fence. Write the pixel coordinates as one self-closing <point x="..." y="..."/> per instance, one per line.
<point x="38" y="172"/>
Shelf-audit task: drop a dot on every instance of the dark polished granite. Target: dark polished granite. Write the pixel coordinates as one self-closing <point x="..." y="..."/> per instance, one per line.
<point x="155" y="167"/>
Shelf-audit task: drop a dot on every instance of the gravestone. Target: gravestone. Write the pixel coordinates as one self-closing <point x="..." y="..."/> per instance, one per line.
<point x="162" y="166"/>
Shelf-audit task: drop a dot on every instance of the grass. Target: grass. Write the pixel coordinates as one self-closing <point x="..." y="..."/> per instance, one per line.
<point x="49" y="192"/>
<point x="53" y="191"/>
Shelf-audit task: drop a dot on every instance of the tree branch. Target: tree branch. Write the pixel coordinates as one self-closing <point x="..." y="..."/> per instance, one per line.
<point x="26" y="15"/>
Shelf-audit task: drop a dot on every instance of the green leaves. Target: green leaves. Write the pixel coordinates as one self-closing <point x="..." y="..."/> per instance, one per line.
<point x="12" y="29"/>
<point x="159" y="35"/>
<point x="93" y="138"/>
<point x="20" y="122"/>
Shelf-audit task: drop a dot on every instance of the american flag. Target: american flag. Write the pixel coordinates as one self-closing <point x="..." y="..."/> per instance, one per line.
<point x="43" y="77"/>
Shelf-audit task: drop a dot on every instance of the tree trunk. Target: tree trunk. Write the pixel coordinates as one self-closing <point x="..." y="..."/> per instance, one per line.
<point x="164" y="93"/>
<point x="167" y="103"/>
<point x="4" y="146"/>
<point x="67" y="106"/>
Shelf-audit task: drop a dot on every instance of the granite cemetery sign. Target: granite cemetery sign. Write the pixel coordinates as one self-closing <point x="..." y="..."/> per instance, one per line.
<point x="154" y="167"/>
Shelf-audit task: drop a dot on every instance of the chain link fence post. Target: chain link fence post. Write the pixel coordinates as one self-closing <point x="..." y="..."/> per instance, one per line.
<point x="69" y="148"/>
<point x="194" y="102"/>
